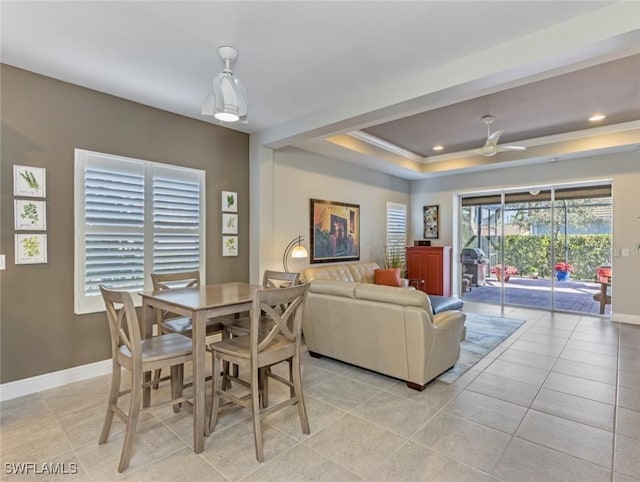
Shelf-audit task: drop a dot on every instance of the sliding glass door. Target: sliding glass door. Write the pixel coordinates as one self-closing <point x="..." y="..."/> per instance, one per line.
<point x="539" y="247"/>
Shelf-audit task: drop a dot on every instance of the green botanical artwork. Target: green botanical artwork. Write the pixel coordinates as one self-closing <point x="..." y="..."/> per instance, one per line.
<point x="30" y="213"/>
<point x="231" y="222"/>
<point x="231" y="244"/>
<point x="30" y="179"/>
<point x="230" y="201"/>
<point x="31" y="246"/>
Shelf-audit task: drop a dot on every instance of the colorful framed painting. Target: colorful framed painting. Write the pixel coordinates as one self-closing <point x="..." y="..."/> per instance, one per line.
<point x="431" y="219"/>
<point x="31" y="248"/>
<point x="229" y="223"/>
<point x="29" y="181"/>
<point x="229" y="245"/>
<point x="229" y="202"/>
<point x="334" y="231"/>
<point x="29" y="215"/>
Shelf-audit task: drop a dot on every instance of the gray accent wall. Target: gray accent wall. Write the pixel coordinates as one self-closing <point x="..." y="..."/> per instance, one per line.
<point x="43" y="121"/>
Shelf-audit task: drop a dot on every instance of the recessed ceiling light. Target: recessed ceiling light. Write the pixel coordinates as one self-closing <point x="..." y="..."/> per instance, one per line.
<point x="597" y="117"/>
<point x="438" y="147"/>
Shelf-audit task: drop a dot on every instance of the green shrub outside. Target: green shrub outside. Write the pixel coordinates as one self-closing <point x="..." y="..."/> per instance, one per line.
<point x="585" y="253"/>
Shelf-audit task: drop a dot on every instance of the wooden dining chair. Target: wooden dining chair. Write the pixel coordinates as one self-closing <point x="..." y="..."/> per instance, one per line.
<point x="260" y="349"/>
<point x="138" y="356"/>
<point x="242" y="326"/>
<point x="170" y="322"/>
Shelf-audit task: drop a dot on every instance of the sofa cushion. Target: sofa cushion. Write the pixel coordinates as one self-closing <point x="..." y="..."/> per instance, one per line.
<point x="388" y="277"/>
<point x="332" y="287"/>
<point x="445" y="303"/>
<point x="336" y="272"/>
<point x="363" y="272"/>
<point x="388" y="294"/>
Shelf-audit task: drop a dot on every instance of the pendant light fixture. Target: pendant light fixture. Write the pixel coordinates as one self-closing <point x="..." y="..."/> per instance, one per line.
<point x="228" y="102"/>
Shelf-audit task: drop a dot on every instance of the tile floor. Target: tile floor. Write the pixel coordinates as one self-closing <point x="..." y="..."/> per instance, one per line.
<point x="557" y="401"/>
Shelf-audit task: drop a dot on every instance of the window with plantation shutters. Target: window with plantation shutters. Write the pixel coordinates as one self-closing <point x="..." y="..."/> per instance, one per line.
<point x="396" y="231"/>
<point x="133" y="217"/>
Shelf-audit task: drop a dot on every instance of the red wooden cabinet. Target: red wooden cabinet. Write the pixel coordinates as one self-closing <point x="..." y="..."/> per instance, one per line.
<point x="429" y="269"/>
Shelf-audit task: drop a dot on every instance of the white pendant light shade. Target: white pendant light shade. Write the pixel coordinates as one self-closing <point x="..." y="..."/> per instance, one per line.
<point x="228" y="102"/>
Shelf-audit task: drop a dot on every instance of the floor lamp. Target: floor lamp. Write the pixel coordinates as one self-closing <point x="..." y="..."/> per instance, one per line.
<point x="295" y="249"/>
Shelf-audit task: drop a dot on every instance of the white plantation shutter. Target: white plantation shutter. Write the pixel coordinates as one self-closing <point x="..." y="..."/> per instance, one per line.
<point x="176" y="222"/>
<point x="133" y="217"/>
<point x="397" y="229"/>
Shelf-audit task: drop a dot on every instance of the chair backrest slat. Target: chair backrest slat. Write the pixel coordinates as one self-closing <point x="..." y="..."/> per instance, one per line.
<point x="276" y="279"/>
<point x="123" y="321"/>
<point x="183" y="279"/>
<point x="271" y="302"/>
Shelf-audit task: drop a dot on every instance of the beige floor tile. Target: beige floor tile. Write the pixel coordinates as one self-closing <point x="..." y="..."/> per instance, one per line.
<point x="397" y="414"/>
<point x="23" y="413"/>
<point x="435" y="395"/>
<point x="376" y="380"/>
<point x="355" y="444"/>
<point x="153" y="442"/>
<point x="602" y="338"/>
<point x="515" y="371"/>
<point x="487" y="411"/>
<point x="183" y="465"/>
<point x="325" y="363"/>
<point x="342" y="392"/>
<point x="545" y="339"/>
<point x="627" y="457"/>
<point x="623" y="478"/>
<point x="414" y="462"/>
<point x="319" y="415"/>
<point x="589" y="358"/>
<point x="628" y="422"/>
<point x="629" y="398"/>
<point x="505" y="389"/>
<point x="629" y="378"/>
<point x="514" y="355"/>
<point x="301" y="464"/>
<point x="581" y="387"/>
<point x="42" y="443"/>
<point x="572" y="438"/>
<point x="586" y="370"/>
<point x="526" y="461"/>
<point x="539" y="348"/>
<point x="232" y="450"/>
<point x="591" y="347"/>
<point x="578" y="409"/>
<point x="312" y="374"/>
<point x="462" y="440"/>
<point x="85" y="394"/>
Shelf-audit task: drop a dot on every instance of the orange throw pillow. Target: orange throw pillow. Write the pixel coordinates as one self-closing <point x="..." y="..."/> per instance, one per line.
<point x="388" y="277"/>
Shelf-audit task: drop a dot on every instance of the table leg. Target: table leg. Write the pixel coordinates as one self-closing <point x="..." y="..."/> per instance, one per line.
<point x="603" y="297"/>
<point x="199" y="378"/>
<point x="147" y="332"/>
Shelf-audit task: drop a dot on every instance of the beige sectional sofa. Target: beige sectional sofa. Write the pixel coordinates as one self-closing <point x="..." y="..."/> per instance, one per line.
<point x="385" y="329"/>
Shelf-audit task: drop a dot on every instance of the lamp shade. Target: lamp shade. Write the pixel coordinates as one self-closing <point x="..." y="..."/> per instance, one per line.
<point x="299" y="252"/>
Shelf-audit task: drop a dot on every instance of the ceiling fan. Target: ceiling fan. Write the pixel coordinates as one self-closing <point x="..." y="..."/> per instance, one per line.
<point x="491" y="147"/>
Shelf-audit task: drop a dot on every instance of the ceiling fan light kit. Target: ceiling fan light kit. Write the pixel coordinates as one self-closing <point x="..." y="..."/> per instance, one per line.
<point x="491" y="147"/>
<point x="228" y="101"/>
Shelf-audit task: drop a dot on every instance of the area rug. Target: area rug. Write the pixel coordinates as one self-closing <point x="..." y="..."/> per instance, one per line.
<point x="484" y="333"/>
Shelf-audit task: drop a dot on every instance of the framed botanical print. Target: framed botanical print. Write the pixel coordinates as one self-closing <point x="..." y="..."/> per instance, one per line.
<point x="431" y="219"/>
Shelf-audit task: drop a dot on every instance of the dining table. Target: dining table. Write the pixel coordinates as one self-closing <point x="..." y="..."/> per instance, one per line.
<point x="198" y="303"/>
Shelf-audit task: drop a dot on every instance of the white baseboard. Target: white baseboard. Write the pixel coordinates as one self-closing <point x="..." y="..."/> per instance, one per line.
<point x="38" y="383"/>
<point x="626" y="318"/>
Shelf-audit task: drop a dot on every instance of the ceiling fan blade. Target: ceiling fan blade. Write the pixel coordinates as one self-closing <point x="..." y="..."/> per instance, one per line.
<point x="511" y="148"/>
<point x="492" y="140"/>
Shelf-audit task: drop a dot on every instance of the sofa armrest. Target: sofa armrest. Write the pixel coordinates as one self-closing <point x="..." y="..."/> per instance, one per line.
<point x="448" y="319"/>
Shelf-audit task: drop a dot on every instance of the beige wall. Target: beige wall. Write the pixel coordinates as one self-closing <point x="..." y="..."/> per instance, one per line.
<point x="43" y="120"/>
<point x="300" y="176"/>
<point x="623" y="169"/>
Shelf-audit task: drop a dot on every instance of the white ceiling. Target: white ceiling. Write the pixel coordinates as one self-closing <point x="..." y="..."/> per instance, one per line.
<point x="314" y="70"/>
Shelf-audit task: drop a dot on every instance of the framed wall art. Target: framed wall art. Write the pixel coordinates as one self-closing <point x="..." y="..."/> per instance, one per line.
<point x="334" y="231"/>
<point x="29" y="181"/>
<point x="31" y="248"/>
<point x="229" y="245"/>
<point x="229" y="202"/>
<point x="29" y="215"/>
<point x="431" y="221"/>
<point x="229" y="223"/>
